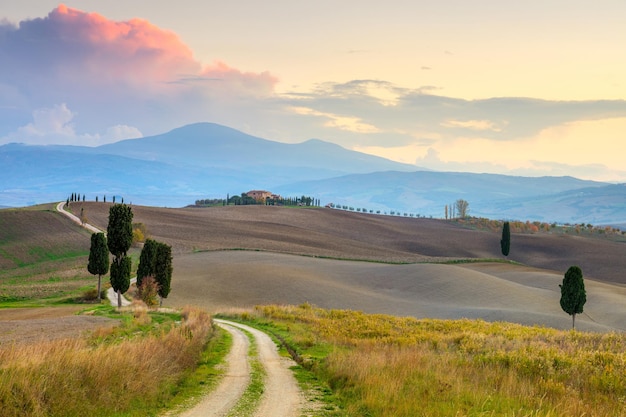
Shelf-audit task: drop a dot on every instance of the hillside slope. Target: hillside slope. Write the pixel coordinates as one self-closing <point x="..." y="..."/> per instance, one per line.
<point x="349" y="235"/>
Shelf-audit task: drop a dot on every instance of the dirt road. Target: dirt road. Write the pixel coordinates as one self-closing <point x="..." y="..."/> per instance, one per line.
<point x="281" y="395"/>
<point x="111" y="294"/>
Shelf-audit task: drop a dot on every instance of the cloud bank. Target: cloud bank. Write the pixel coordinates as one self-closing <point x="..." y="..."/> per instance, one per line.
<point x="110" y="74"/>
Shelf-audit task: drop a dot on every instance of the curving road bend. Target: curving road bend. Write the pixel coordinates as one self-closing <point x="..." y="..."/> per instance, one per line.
<point x="281" y="395"/>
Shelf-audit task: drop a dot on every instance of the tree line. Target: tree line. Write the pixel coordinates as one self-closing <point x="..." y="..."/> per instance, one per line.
<point x="76" y="197"/>
<point x="246" y="200"/>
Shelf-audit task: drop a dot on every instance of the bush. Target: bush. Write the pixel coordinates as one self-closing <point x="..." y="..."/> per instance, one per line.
<point x="91" y="295"/>
<point x="148" y="291"/>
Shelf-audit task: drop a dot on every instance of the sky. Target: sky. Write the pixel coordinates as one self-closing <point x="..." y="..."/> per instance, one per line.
<point x="519" y="88"/>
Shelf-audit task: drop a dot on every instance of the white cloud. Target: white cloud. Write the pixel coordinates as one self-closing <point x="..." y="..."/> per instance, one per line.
<point x="55" y="125"/>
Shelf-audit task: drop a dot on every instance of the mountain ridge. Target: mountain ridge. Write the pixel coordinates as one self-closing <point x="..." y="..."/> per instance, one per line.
<point x="206" y="160"/>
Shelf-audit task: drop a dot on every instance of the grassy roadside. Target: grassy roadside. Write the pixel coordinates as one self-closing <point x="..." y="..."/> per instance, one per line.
<point x="149" y="363"/>
<point x="387" y="366"/>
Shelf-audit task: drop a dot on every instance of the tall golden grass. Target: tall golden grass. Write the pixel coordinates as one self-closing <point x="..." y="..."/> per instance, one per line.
<point x="387" y="366"/>
<point x="103" y="375"/>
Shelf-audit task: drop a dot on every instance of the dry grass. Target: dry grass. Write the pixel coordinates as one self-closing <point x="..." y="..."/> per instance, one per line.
<point x="108" y="374"/>
<point x="393" y="367"/>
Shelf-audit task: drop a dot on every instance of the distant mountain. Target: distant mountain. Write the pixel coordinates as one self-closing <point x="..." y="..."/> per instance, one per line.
<point x="206" y="160"/>
<point x="173" y="169"/>
<point x="216" y="146"/>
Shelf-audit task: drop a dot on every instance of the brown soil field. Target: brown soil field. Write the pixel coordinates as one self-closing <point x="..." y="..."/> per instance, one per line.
<point x="349" y="235"/>
<point x="238" y="257"/>
<point x="208" y="272"/>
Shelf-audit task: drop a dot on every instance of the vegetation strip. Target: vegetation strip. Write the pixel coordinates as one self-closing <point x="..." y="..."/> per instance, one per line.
<point x="136" y="369"/>
<point x="388" y="366"/>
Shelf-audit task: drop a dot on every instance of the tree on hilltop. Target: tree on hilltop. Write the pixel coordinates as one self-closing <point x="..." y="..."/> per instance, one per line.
<point x="573" y="294"/>
<point x="462" y="208"/>
<point x="98" y="258"/>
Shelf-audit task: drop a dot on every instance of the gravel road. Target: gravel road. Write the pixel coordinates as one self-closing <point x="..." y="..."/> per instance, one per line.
<point x="281" y="395"/>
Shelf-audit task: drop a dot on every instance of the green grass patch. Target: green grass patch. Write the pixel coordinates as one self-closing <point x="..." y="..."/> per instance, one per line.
<point x="251" y="397"/>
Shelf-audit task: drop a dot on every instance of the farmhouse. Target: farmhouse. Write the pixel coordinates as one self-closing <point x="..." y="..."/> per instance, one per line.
<point x="261" y="195"/>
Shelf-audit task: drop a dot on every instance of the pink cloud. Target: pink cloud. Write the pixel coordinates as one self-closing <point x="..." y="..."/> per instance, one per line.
<point x="116" y="72"/>
<point x="133" y="51"/>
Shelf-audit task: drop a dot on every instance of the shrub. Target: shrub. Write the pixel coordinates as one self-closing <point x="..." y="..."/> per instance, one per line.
<point x="148" y="291"/>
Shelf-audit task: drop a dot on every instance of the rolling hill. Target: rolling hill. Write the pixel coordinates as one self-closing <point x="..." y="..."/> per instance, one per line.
<point x="240" y="256"/>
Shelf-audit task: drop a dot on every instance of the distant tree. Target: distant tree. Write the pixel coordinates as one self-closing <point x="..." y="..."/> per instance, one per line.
<point x="96" y="199"/>
<point x="113" y="199"/>
<point x="505" y="242"/>
<point x="573" y="294"/>
<point x="83" y="198"/>
<point x="105" y="198"/>
<point x="163" y="269"/>
<point x="462" y="208"/>
<point x="119" y="240"/>
<point x="98" y="257"/>
<point x="147" y="261"/>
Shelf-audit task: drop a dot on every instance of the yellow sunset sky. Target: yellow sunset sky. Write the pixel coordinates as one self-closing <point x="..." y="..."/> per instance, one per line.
<point x="524" y="88"/>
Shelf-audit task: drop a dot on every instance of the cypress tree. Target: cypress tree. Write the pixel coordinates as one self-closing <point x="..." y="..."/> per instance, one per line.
<point x="119" y="240"/>
<point x="147" y="260"/>
<point x="98" y="257"/>
<point x="505" y="242"/>
<point x="120" y="277"/>
<point x="163" y="269"/>
<point x="573" y="294"/>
